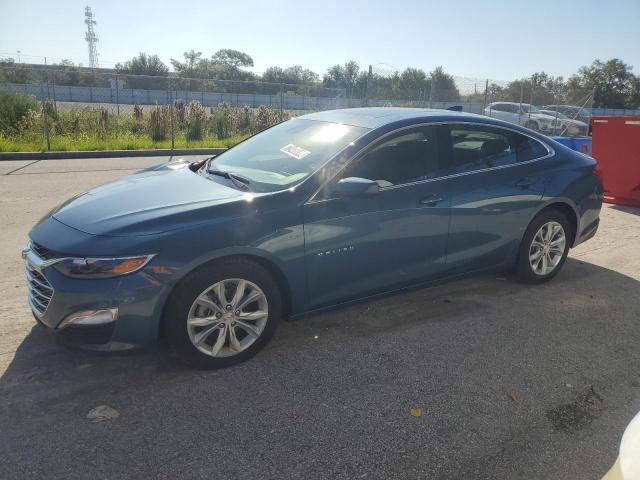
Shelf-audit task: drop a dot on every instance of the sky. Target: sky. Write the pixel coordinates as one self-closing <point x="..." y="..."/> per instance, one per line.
<point x="495" y="39"/>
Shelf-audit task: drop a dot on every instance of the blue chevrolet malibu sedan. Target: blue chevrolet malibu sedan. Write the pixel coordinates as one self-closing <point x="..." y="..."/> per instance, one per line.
<point x="319" y="211"/>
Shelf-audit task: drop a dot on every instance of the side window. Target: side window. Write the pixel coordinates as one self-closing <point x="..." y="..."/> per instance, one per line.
<point x="499" y="107"/>
<point x="407" y="157"/>
<point x="476" y="147"/>
<point x="529" y="149"/>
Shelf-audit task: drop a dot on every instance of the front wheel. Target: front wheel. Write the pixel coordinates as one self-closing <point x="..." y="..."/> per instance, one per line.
<point x="544" y="247"/>
<point x="223" y="314"/>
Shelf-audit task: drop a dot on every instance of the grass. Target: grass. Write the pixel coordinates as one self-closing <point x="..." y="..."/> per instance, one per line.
<point x="22" y="122"/>
<point x="116" y="141"/>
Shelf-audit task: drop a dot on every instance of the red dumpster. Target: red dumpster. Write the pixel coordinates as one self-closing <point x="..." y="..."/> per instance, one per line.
<point x="616" y="147"/>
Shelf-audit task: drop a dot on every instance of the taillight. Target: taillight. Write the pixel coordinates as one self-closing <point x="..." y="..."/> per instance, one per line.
<point x="598" y="173"/>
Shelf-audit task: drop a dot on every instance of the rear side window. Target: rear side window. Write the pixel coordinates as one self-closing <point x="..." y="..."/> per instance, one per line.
<point x="529" y="149"/>
<point x="478" y="147"/>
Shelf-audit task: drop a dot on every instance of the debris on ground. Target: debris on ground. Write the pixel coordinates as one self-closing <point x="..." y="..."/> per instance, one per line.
<point x="574" y="416"/>
<point x="102" y="413"/>
<point x="416" y="412"/>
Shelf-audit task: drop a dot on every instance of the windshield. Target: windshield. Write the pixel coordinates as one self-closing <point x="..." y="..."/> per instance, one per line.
<point x="286" y="154"/>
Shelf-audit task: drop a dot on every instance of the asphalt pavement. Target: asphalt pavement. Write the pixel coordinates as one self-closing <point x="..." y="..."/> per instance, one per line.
<point x="505" y="380"/>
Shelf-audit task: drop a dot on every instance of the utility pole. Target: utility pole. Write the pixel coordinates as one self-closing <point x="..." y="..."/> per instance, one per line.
<point x="486" y="91"/>
<point x="367" y="92"/>
<point x="91" y="38"/>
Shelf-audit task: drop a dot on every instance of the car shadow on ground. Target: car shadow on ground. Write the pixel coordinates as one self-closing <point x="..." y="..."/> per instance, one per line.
<point x="627" y="209"/>
<point x="515" y="378"/>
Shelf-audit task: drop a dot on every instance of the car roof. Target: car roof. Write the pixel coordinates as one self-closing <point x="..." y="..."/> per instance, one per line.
<point x="374" y="117"/>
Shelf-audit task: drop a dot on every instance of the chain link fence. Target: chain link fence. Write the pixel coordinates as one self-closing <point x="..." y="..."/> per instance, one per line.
<point x="84" y="110"/>
<point x="80" y="109"/>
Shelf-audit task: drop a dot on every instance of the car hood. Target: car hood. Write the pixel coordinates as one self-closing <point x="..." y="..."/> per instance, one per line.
<point x="155" y="200"/>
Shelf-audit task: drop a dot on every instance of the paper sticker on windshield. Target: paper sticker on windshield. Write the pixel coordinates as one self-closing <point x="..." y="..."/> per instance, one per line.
<point x="296" y="152"/>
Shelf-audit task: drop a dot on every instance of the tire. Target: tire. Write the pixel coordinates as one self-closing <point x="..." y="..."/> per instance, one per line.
<point x="530" y="265"/>
<point x="195" y="317"/>
<point x="532" y="125"/>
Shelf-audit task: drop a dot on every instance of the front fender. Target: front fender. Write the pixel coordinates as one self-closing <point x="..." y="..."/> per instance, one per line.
<point x="279" y="243"/>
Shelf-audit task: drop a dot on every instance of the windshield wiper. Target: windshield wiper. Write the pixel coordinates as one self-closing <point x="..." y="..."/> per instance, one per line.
<point x="238" y="180"/>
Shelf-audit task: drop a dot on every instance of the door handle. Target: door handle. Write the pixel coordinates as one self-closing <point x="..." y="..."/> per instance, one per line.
<point x="432" y="200"/>
<point x="525" y="182"/>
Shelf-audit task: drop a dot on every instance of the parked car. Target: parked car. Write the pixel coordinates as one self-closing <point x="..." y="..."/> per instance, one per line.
<point x="321" y="210"/>
<point x="575" y="113"/>
<point x="522" y="114"/>
<point x="568" y="127"/>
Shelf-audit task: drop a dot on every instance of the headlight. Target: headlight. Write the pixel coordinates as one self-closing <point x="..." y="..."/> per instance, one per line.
<point x="101" y="267"/>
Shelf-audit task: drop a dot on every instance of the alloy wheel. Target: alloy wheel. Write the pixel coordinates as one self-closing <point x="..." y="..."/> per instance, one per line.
<point x="227" y="317"/>
<point x="547" y="248"/>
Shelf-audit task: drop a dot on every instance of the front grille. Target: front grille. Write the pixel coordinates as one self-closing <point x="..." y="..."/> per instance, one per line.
<point x="43" y="252"/>
<point x="40" y="290"/>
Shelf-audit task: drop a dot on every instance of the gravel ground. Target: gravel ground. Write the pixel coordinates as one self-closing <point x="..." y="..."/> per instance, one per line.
<point x="512" y="381"/>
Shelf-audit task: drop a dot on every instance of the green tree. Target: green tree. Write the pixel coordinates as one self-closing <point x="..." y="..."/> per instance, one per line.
<point x="227" y="64"/>
<point x="414" y="84"/>
<point x="291" y="75"/>
<point x="342" y="76"/>
<point x="538" y="89"/>
<point x="145" y="66"/>
<point x="612" y="82"/>
<point x="351" y="70"/>
<point x="233" y="59"/>
<point x="188" y="68"/>
<point x="68" y="73"/>
<point x="12" y="72"/>
<point x="444" y="87"/>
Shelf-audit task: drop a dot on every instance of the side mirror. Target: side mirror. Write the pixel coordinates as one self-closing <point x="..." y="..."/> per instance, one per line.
<point x="356" y="187"/>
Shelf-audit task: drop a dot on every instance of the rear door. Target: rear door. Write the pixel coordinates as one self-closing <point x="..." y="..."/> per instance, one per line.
<point x="495" y="188"/>
<point x="358" y="246"/>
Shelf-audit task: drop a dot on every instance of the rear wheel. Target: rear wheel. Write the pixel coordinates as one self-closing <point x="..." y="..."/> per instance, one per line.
<point x="222" y="315"/>
<point x="544" y="247"/>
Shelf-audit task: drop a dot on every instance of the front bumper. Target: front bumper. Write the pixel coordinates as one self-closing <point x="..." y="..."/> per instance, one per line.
<point x="100" y="314"/>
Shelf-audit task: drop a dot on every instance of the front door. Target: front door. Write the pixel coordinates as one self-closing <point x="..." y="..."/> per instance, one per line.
<point x="358" y="246"/>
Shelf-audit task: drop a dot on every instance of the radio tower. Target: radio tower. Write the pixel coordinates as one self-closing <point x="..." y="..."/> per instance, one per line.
<point x="91" y="38"/>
